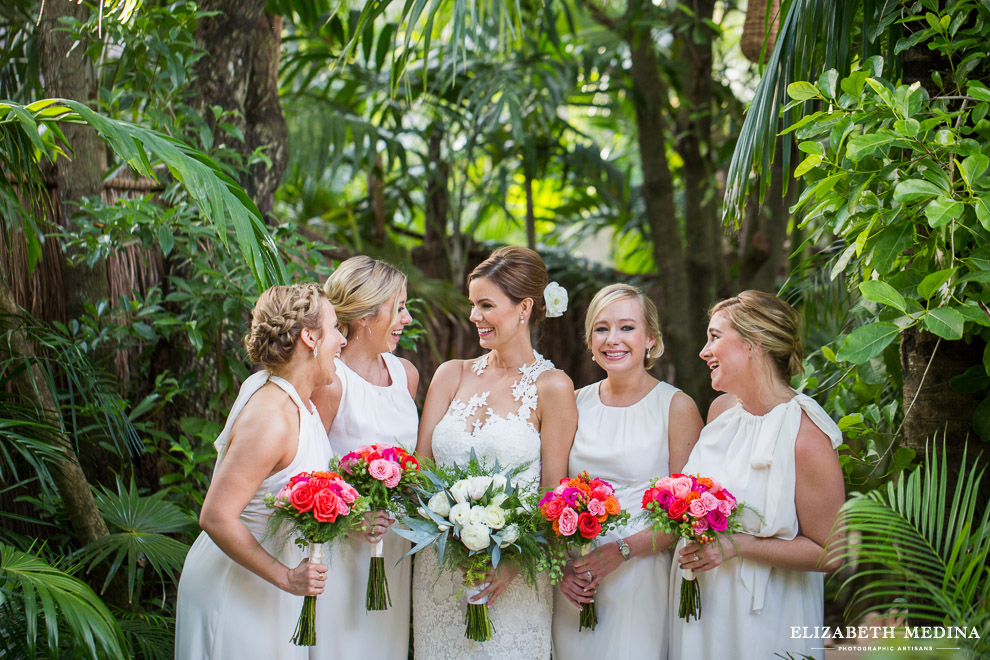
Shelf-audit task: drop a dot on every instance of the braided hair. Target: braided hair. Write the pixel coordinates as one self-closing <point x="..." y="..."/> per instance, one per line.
<point x="277" y="320"/>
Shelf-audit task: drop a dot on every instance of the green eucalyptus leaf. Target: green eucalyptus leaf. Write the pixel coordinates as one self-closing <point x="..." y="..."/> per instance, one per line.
<point x="867" y="341"/>
<point x="945" y="322"/>
<point x="882" y="292"/>
<point x="942" y="211"/>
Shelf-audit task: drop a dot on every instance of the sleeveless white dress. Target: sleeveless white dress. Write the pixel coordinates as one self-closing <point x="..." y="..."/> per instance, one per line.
<point x="521" y="614"/>
<point x="367" y="414"/>
<point x="747" y="609"/>
<point x="224" y="610"/>
<point x="626" y="446"/>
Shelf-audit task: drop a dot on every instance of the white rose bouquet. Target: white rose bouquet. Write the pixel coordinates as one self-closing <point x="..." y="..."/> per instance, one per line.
<point x="482" y="512"/>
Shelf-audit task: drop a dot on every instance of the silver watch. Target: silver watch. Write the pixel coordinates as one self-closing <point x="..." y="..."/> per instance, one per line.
<point x="624" y="550"/>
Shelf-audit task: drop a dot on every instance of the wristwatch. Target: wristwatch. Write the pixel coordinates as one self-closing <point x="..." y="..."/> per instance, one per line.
<point x="624" y="550"/>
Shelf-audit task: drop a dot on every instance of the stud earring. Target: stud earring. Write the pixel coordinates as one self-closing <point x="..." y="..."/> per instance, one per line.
<point x="316" y="351"/>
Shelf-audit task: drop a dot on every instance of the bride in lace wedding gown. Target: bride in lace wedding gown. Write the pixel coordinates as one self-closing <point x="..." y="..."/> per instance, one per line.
<point x="498" y="405"/>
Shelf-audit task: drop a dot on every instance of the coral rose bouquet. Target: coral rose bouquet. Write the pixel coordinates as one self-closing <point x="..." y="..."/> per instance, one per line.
<point x="694" y="508"/>
<point x="576" y="514"/>
<point x="475" y="517"/>
<point x="321" y="508"/>
<point x="384" y="475"/>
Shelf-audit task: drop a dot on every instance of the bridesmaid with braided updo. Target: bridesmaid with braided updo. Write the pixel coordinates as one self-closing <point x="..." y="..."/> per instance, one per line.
<point x="241" y="592"/>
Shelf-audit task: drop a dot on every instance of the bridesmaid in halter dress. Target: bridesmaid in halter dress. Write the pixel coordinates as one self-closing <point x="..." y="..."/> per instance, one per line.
<point x="774" y="449"/>
<point x="241" y="591"/>
<point x="370" y="402"/>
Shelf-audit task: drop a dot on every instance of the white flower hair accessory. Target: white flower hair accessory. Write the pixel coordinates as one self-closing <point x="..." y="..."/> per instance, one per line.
<point x="555" y="297"/>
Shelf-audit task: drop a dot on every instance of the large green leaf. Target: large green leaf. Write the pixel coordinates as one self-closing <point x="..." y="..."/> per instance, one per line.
<point x="62" y="601"/>
<point x="867" y="341"/>
<point x="882" y="292"/>
<point x="945" y="322"/>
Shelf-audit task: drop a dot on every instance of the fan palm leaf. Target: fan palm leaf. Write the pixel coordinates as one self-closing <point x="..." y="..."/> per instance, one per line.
<point x="915" y="541"/>
<point x="42" y="591"/>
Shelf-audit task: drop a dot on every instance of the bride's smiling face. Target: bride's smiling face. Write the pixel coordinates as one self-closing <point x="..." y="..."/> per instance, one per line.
<point x="493" y="313"/>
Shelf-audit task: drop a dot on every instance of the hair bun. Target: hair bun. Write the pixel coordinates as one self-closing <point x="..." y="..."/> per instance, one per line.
<point x="277" y="320"/>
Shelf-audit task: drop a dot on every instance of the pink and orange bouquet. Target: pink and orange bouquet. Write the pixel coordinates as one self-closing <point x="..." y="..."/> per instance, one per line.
<point x="381" y="473"/>
<point x="321" y="507"/>
<point x="578" y="511"/>
<point x="695" y="508"/>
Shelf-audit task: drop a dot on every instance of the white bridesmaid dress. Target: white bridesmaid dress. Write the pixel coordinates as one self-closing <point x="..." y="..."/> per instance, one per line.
<point x="626" y="446"/>
<point x="747" y="609"/>
<point x="224" y="611"/>
<point x="367" y="415"/>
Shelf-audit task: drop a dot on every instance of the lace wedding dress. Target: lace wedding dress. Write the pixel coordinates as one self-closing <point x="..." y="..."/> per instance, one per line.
<point x="521" y="615"/>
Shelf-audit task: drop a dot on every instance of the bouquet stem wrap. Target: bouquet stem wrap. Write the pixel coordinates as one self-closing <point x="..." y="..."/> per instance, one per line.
<point x="589" y="611"/>
<point x="377" y="597"/>
<point x="479" y="624"/>
<point x="690" y="602"/>
<point x="305" y="634"/>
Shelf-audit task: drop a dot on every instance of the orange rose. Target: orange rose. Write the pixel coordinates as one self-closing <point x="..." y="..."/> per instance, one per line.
<point x="584" y="488"/>
<point x="575" y="482"/>
<point x="691" y="496"/>
<point x="602" y="518"/>
<point x="612" y="507"/>
<point x="556" y="527"/>
<point x="706" y="482"/>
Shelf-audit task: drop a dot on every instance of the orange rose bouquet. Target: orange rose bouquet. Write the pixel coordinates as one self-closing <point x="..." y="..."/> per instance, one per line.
<point x="321" y="508"/>
<point x="578" y="512"/>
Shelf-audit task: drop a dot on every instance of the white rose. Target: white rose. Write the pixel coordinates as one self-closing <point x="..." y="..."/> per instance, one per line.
<point x="495" y="516"/>
<point x="460" y="513"/>
<point x="510" y="535"/>
<point x="499" y="482"/>
<point x="459" y="491"/>
<point x="555" y="296"/>
<point x="475" y="537"/>
<point x="479" y="515"/>
<point x="477" y="486"/>
<point x="440" y="505"/>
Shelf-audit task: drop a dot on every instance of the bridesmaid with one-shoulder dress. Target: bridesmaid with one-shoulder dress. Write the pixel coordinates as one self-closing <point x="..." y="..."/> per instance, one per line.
<point x="775" y="450"/>
<point x="371" y="402"/>
<point x="631" y="428"/>
<point x="240" y="593"/>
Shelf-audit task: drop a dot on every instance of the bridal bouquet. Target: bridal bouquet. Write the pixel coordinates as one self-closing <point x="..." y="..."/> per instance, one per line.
<point x="382" y="474"/>
<point x="321" y="508"/>
<point x="578" y="511"/>
<point x="697" y="509"/>
<point x="475" y="517"/>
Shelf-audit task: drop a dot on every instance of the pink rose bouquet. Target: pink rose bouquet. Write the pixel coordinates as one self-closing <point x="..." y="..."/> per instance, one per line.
<point x="697" y="509"/>
<point x="576" y="513"/>
<point x="321" y="507"/>
<point x="383" y="474"/>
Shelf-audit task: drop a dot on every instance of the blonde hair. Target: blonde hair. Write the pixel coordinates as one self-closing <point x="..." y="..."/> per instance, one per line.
<point x="766" y="321"/>
<point x="277" y="320"/>
<point x="360" y="286"/>
<point x="519" y="273"/>
<point x="610" y="294"/>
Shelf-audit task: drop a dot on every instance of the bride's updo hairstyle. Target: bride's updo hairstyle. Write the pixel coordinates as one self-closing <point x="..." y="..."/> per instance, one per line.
<point x="610" y="294"/>
<point x="360" y="286"/>
<point x="519" y="273"/>
<point x="277" y="320"/>
<point x="767" y="322"/>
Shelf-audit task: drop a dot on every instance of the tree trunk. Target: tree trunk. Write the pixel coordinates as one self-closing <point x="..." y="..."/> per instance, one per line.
<point x="679" y="305"/>
<point x="68" y="74"/>
<point x="240" y="76"/>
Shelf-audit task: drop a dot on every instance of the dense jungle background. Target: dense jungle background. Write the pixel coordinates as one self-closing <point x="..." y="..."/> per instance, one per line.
<point x="163" y="162"/>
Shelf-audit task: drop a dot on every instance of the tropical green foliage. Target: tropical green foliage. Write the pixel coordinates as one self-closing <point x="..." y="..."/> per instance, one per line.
<point x="925" y="549"/>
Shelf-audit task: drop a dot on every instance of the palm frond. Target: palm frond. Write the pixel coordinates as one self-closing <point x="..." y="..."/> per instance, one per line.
<point x="150" y="636"/>
<point x="915" y="541"/>
<point x="220" y="199"/>
<point x="138" y="526"/>
<point x="57" y="598"/>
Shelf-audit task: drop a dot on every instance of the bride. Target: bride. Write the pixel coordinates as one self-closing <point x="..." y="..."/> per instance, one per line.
<point x="509" y="405"/>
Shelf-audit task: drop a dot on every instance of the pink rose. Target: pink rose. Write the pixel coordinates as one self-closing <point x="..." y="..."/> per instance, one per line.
<point x="725" y="507"/>
<point x="700" y="525"/>
<point x="348" y="493"/>
<point x="717" y="521"/>
<point x="716" y="486"/>
<point x="709" y="500"/>
<point x="568" y="521"/>
<point x="364" y="449"/>
<point x="680" y="487"/>
<point x="697" y="508"/>
<point x="663" y="484"/>
<point x="394" y="476"/>
<point x="596" y="507"/>
<point x="380" y="469"/>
